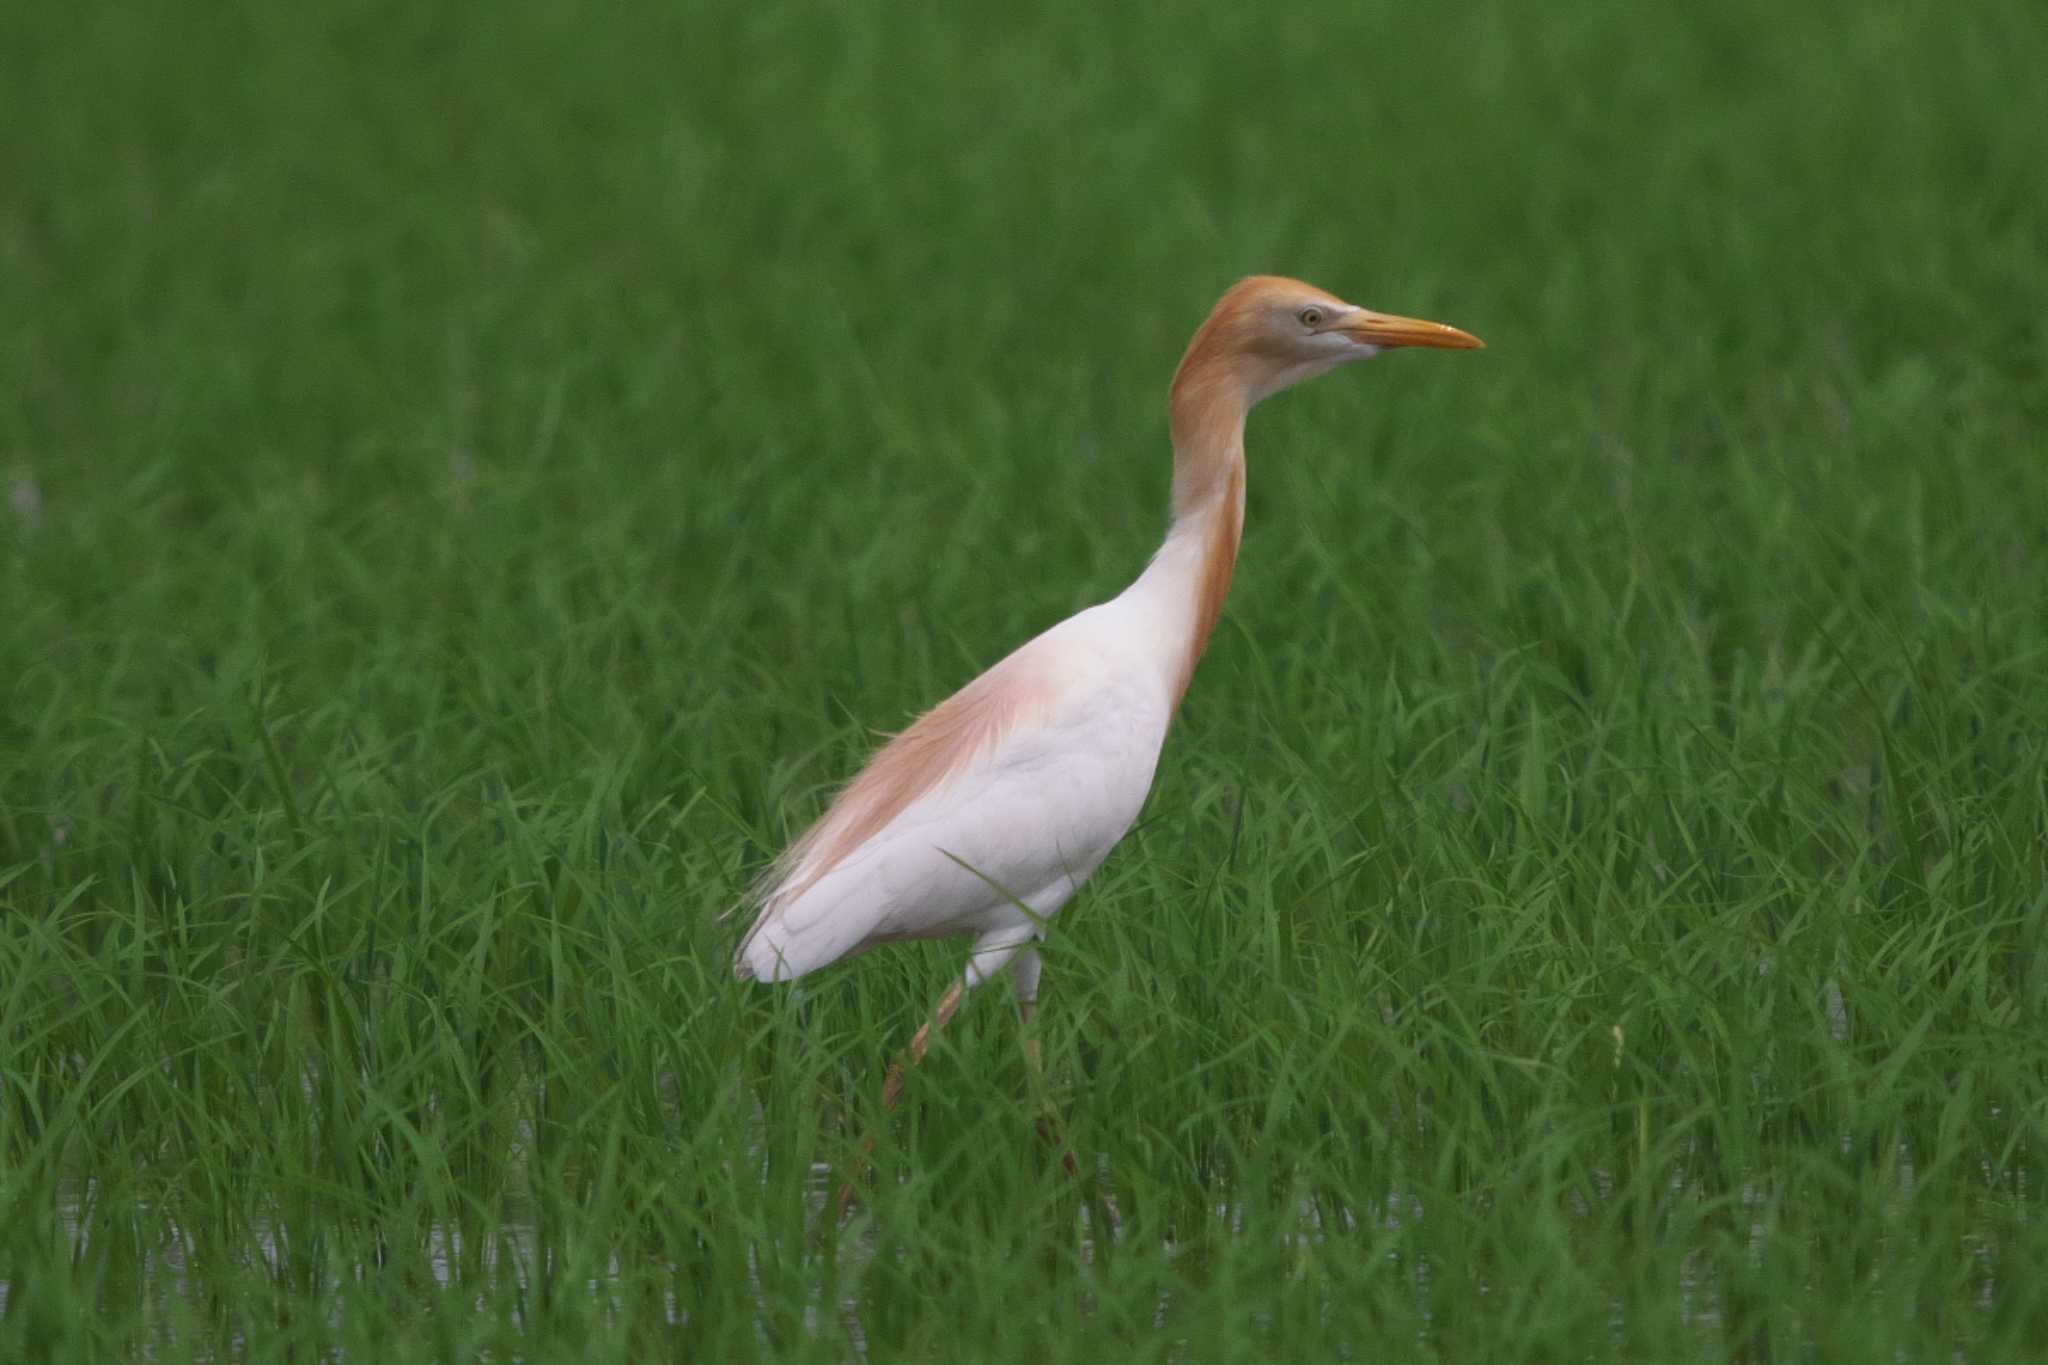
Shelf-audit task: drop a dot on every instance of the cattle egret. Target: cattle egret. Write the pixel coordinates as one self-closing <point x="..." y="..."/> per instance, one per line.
<point x="985" y="816"/>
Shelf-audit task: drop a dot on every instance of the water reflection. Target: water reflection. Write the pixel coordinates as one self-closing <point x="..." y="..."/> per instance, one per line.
<point x="514" y="1253"/>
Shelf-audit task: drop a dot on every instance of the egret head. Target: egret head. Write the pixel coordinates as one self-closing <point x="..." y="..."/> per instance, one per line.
<point x="1268" y="332"/>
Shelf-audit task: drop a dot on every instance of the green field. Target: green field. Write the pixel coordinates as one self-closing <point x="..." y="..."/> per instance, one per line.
<point x="472" y="482"/>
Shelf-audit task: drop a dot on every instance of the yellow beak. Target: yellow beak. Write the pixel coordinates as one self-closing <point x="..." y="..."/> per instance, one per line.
<point x="1384" y="329"/>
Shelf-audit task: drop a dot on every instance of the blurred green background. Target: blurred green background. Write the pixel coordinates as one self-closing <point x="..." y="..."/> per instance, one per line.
<point x="477" y="477"/>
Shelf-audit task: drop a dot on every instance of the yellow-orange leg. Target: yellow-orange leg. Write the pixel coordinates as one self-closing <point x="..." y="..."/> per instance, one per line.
<point x="1051" y="1130"/>
<point x="892" y="1087"/>
<point x="1049" y="1127"/>
<point x="920" y="1043"/>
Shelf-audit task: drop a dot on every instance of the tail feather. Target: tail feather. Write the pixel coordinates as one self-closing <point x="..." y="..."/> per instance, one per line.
<point x="774" y="951"/>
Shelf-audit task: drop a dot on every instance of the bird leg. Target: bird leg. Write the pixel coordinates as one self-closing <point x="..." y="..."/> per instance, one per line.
<point x="920" y="1043"/>
<point x="1025" y="966"/>
<point x="1027" y="1011"/>
<point x="1049" y="1127"/>
<point x="892" y="1087"/>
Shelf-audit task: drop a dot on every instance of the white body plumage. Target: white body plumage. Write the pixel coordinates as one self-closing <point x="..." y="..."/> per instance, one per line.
<point x="995" y="849"/>
<point x="985" y="816"/>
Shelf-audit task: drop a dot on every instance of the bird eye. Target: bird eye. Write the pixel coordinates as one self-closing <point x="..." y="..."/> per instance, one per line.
<point x="1311" y="316"/>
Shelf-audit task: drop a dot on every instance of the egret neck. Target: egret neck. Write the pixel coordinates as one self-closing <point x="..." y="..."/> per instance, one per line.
<point x="1182" y="590"/>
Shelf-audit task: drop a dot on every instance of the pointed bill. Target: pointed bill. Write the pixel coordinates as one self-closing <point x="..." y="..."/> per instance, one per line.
<point x="1387" y="330"/>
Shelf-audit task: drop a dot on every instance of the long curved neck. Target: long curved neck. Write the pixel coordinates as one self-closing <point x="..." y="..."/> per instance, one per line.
<point x="1184" y="586"/>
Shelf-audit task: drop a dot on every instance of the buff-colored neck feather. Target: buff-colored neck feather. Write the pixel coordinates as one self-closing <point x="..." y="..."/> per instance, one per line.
<point x="1206" y="412"/>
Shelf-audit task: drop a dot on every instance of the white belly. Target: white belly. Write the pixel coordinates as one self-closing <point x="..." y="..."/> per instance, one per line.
<point x="1001" y="846"/>
<point x="1009" y="841"/>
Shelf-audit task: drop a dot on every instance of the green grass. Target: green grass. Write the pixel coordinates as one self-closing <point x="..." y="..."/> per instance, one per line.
<point x="476" y="481"/>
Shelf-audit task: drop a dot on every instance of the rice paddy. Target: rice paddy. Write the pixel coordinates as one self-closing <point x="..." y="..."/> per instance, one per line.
<point x="477" y="478"/>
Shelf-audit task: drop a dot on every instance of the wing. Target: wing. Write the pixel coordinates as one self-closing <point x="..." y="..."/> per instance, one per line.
<point x="1011" y="790"/>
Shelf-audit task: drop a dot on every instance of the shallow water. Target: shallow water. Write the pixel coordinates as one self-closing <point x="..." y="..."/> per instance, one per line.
<point x="514" y="1251"/>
